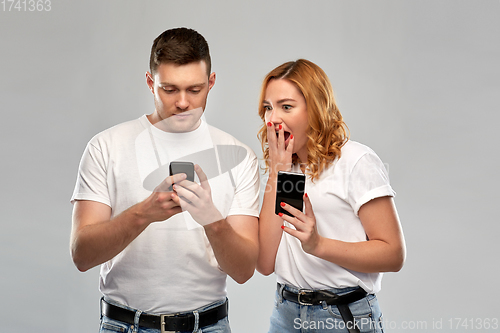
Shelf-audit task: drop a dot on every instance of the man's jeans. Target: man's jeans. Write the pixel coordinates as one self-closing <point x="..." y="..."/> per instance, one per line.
<point x="111" y="326"/>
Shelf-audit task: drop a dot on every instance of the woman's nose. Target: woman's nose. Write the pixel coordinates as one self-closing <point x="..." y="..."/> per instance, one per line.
<point x="274" y="117"/>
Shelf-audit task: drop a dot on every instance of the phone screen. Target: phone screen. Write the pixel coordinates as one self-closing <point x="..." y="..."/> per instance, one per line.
<point x="182" y="167"/>
<point x="290" y="189"/>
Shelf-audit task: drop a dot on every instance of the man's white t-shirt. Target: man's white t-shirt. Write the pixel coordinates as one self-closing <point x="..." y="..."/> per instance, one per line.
<point x="357" y="177"/>
<point x="170" y="267"/>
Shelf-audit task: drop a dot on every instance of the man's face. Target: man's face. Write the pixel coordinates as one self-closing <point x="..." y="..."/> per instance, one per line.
<point x="180" y="95"/>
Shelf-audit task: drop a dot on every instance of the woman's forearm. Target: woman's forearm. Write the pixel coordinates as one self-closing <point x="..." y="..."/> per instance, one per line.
<point x="270" y="231"/>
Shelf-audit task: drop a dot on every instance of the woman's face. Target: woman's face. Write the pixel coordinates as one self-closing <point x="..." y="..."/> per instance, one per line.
<point x="285" y="105"/>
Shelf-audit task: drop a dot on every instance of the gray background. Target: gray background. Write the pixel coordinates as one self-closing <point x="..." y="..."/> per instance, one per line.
<point x="418" y="81"/>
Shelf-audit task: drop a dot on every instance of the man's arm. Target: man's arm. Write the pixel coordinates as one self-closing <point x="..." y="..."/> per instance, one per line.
<point x="96" y="238"/>
<point x="234" y="239"/>
<point x="235" y="244"/>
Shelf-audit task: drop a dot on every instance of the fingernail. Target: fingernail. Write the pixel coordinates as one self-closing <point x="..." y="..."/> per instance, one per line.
<point x="280" y="127"/>
<point x="282" y="204"/>
<point x="291" y="136"/>
<point x="269" y="124"/>
<point x="282" y="227"/>
<point x="306" y="195"/>
<point x="280" y="214"/>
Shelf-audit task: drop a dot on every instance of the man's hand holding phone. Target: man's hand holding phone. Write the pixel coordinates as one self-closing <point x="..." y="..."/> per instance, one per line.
<point x="197" y="199"/>
<point x="160" y="205"/>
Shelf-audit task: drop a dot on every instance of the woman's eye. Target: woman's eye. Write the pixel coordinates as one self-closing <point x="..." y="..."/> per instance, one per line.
<point x="267" y="108"/>
<point x="287" y="107"/>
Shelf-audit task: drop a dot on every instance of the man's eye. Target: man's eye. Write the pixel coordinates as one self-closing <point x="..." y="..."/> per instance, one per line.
<point x="169" y="90"/>
<point x="195" y="91"/>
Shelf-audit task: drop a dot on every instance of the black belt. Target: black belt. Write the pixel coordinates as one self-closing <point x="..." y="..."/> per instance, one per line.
<point x="169" y="322"/>
<point x="317" y="297"/>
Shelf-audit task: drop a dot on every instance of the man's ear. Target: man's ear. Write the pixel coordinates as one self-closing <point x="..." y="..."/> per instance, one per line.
<point x="150" y="82"/>
<point x="211" y="81"/>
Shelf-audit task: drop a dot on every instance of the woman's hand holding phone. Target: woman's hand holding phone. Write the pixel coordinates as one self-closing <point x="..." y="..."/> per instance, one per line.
<point x="305" y="226"/>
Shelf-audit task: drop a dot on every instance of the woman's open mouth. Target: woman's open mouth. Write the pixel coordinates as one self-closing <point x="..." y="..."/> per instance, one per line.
<point x="286" y="136"/>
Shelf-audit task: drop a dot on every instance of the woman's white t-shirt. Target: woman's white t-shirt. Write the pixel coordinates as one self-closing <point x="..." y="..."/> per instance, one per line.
<point x="357" y="177"/>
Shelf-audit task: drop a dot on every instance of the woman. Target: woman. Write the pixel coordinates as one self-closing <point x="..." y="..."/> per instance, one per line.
<point x="329" y="258"/>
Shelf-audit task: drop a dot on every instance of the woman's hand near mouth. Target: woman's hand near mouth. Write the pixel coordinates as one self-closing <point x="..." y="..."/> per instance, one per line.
<point x="280" y="148"/>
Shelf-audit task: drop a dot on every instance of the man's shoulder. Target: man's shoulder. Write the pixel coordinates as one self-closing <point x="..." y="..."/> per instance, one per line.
<point x="122" y="130"/>
<point x="219" y="137"/>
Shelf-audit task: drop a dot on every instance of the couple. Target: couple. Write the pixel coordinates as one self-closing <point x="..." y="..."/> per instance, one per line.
<point x="165" y="244"/>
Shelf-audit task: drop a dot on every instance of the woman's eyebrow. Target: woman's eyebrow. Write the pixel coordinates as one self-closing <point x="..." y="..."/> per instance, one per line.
<point x="281" y="101"/>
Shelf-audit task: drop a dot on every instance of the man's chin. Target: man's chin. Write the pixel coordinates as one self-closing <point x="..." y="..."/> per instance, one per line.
<point x="180" y="125"/>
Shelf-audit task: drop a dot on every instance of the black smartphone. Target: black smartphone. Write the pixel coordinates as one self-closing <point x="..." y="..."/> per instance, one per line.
<point x="290" y="189"/>
<point x="182" y="167"/>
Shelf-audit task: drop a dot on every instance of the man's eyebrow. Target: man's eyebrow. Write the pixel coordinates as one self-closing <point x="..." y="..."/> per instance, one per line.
<point x="167" y="84"/>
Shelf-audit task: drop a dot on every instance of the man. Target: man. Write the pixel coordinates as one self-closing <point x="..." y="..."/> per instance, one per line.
<point x="166" y="244"/>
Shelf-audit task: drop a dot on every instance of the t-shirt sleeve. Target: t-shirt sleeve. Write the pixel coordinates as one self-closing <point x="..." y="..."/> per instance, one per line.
<point x="246" y="197"/>
<point x="368" y="180"/>
<point x="91" y="181"/>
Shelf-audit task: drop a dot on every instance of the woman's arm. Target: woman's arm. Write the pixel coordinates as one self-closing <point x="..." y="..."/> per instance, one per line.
<point x="280" y="159"/>
<point x="384" y="251"/>
<point x="269" y="229"/>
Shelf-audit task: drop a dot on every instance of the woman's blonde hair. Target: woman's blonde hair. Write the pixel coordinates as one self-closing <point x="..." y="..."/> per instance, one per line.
<point x="327" y="131"/>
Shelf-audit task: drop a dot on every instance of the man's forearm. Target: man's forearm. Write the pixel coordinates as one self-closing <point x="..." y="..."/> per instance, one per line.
<point x="236" y="254"/>
<point x="96" y="243"/>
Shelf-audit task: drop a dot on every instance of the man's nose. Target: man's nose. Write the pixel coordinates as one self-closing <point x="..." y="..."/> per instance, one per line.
<point x="182" y="102"/>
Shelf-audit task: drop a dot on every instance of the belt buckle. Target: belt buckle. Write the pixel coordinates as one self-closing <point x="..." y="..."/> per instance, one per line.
<point x="303" y="292"/>
<point x="162" y="322"/>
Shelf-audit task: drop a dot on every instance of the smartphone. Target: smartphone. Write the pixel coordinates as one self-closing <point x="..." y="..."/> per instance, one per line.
<point x="182" y="167"/>
<point x="290" y="189"/>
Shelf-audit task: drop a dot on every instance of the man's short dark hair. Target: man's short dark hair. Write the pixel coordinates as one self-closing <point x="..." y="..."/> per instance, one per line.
<point x="179" y="46"/>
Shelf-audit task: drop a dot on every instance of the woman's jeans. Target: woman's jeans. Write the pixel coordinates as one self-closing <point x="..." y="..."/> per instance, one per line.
<point x="292" y="317"/>
<point x="111" y="326"/>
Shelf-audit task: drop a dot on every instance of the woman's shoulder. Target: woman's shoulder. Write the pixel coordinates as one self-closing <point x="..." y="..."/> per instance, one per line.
<point x="353" y="151"/>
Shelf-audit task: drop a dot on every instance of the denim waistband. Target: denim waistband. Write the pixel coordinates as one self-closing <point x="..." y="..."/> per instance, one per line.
<point x="338" y="291"/>
<point x="200" y="309"/>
